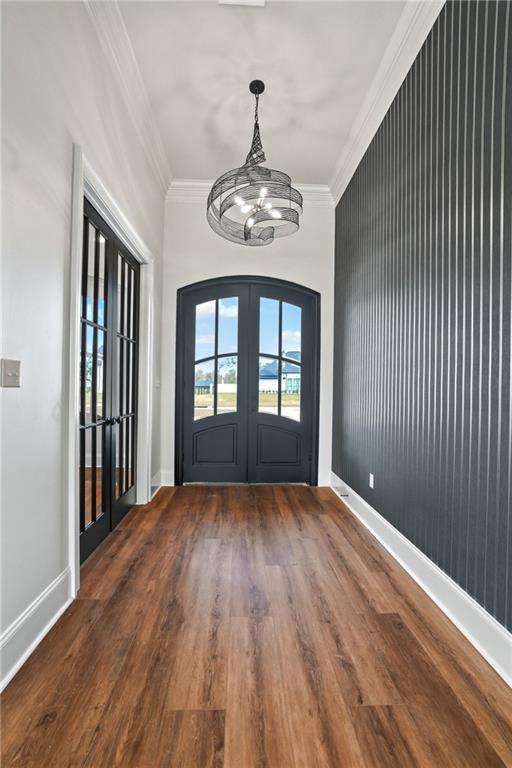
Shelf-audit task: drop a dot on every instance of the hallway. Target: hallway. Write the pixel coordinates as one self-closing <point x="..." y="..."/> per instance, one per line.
<point x="245" y="626"/>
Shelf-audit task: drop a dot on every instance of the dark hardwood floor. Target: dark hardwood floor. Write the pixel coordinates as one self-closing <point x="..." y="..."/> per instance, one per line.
<point x="250" y="627"/>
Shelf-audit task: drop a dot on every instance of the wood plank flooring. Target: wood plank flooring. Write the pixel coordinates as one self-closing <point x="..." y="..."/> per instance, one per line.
<point x="252" y="627"/>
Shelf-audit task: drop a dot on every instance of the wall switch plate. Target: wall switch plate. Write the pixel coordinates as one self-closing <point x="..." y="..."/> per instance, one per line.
<point x="10" y="373"/>
<point x="371" y="480"/>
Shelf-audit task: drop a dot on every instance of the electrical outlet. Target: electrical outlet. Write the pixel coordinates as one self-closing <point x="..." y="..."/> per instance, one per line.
<point x="371" y="480"/>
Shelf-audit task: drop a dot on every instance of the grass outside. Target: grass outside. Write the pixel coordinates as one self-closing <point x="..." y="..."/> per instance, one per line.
<point x="227" y="403"/>
<point x="228" y="400"/>
<point x="88" y="401"/>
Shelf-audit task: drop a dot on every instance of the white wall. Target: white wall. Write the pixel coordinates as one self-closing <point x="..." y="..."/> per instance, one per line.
<point x="192" y="252"/>
<point x="57" y="89"/>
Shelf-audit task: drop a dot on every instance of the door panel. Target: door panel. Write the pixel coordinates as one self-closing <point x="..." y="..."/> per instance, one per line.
<point x="282" y="384"/>
<point x="124" y="384"/>
<point x="214" y="369"/>
<point x="247" y="368"/>
<point x="94" y="397"/>
<point x="108" y="381"/>
<point x="276" y="445"/>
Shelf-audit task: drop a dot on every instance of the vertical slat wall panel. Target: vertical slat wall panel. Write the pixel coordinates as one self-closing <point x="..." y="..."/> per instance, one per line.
<point x="423" y="332"/>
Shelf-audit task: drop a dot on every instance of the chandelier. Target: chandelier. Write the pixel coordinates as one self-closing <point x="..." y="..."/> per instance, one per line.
<point x="252" y="205"/>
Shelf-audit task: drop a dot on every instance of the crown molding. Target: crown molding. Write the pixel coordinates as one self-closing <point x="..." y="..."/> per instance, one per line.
<point x="316" y="195"/>
<point x="116" y="44"/>
<point x="414" y="25"/>
<point x="196" y="191"/>
<point x="256" y="3"/>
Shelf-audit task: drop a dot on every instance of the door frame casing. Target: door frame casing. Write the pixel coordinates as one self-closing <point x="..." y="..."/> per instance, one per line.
<point x="86" y="183"/>
<point x="180" y="358"/>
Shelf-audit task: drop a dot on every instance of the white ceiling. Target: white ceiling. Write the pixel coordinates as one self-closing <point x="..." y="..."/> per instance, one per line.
<point x="318" y="61"/>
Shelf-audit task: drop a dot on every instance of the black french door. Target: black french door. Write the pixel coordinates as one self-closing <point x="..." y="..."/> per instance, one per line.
<point x="247" y="382"/>
<point x="108" y="381"/>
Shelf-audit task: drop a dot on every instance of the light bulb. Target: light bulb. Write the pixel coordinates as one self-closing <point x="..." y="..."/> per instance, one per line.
<point x="275" y="214"/>
<point x="250" y="221"/>
<point x="263" y="191"/>
<point x="239" y="200"/>
<point x="246" y="208"/>
<point x="268" y="205"/>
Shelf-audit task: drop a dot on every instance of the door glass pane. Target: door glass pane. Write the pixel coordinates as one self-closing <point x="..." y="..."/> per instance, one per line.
<point x="203" y="389"/>
<point x="268" y="385"/>
<point x="101" y="281"/>
<point x="290" y="390"/>
<point x="134" y="304"/>
<point x="228" y="325"/>
<point x="127" y="451"/>
<point x="120" y="263"/>
<point x="130" y="407"/>
<point x="129" y="300"/>
<point x="226" y="384"/>
<point x="89" y="300"/>
<point x="89" y="338"/>
<point x="99" y="473"/>
<point x="205" y="329"/>
<point x="126" y="297"/>
<point x="130" y="429"/>
<point x="118" y="378"/>
<point x="269" y="326"/>
<point x="100" y="375"/>
<point x="82" y="478"/>
<point x="120" y="457"/>
<point x="88" y="476"/>
<point x="117" y="469"/>
<point x="291" y="338"/>
<point x="127" y="376"/>
<point x="123" y="381"/>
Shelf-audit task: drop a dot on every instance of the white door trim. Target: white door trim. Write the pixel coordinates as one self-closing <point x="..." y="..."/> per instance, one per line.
<point x="87" y="183"/>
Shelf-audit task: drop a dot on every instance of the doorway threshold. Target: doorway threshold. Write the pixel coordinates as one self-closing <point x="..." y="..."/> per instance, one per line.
<point x="221" y="482"/>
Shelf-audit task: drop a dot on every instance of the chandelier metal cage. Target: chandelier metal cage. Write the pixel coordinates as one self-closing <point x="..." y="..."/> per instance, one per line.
<point x="253" y="205"/>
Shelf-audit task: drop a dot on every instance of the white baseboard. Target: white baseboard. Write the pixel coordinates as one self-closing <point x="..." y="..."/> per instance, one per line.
<point x="156" y="481"/>
<point x="482" y="630"/>
<point x="25" y="633"/>
<point x="166" y="477"/>
<point x="162" y="477"/>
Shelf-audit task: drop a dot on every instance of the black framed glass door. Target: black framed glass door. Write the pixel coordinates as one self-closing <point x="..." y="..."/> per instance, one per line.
<point x="108" y="380"/>
<point x="247" y="382"/>
<point x="283" y="367"/>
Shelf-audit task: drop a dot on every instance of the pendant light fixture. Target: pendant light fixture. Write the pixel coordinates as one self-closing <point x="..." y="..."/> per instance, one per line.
<point x="252" y="205"/>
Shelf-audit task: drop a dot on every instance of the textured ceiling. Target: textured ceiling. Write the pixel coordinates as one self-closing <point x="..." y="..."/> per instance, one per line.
<point x="317" y="59"/>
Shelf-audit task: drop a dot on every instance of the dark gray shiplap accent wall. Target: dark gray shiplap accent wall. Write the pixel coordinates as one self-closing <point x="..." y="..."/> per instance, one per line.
<point x="422" y="357"/>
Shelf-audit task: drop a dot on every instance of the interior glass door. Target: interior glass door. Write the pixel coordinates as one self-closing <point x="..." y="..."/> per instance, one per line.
<point x="108" y="381"/>
<point x="124" y="385"/>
